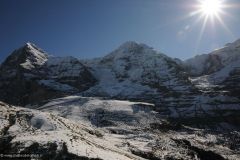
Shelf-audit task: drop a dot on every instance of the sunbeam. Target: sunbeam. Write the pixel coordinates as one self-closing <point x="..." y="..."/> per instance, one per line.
<point x="201" y="32"/>
<point x="225" y="26"/>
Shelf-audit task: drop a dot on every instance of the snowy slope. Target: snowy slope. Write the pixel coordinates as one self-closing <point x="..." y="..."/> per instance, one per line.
<point x="98" y="111"/>
<point x="135" y="127"/>
<point x="137" y="71"/>
<point x="30" y="131"/>
<point x="85" y="132"/>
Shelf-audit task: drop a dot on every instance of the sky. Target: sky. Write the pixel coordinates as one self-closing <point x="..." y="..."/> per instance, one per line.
<point x="93" y="28"/>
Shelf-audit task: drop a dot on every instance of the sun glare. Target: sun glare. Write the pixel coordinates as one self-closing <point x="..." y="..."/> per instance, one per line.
<point x="211" y="7"/>
<point x="213" y="11"/>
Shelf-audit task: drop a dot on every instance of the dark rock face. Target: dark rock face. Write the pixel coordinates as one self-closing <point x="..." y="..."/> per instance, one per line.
<point x="232" y="83"/>
<point x="213" y="64"/>
<point x="29" y="76"/>
<point x="19" y="91"/>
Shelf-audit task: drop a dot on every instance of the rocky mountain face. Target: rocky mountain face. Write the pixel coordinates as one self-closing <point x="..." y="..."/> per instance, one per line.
<point x="219" y="69"/>
<point x="209" y="63"/>
<point x="137" y="71"/>
<point x="30" y="75"/>
<point x="134" y="103"/>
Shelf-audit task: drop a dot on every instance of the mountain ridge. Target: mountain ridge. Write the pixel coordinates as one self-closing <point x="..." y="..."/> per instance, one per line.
<point x="133" y="71"/>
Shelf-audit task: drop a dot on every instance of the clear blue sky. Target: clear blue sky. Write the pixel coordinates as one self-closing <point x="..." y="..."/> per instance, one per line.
<point x="93" y="28"/>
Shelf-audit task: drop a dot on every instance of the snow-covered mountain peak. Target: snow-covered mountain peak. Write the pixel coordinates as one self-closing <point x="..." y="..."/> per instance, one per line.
<point x="34" y="56"/>
<point x="28" y="57"/>
<point x="130" y="45"/>
<point x="31" y="72"/>
<point x="134" y="70"/>
<point x="34" y="49"/>
<point x="131" y="49"/>
<point x="30" y="44"/>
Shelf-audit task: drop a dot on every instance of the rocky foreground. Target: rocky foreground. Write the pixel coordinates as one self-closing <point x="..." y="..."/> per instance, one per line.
<point x="89" y="131"/>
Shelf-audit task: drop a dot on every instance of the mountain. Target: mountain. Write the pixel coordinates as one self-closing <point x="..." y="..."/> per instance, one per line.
<point x="134" y="103"/>
<point x="137" y="71"/>
<point x="133" y="71"/>
<point x="215" y="61"/>
<point x="29" y="75"/>
<point x="218" y="69"/>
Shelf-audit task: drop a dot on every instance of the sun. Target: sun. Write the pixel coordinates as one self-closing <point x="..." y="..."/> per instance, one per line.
<point x="211" y="13"/>
<point x="211" y="7"/>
